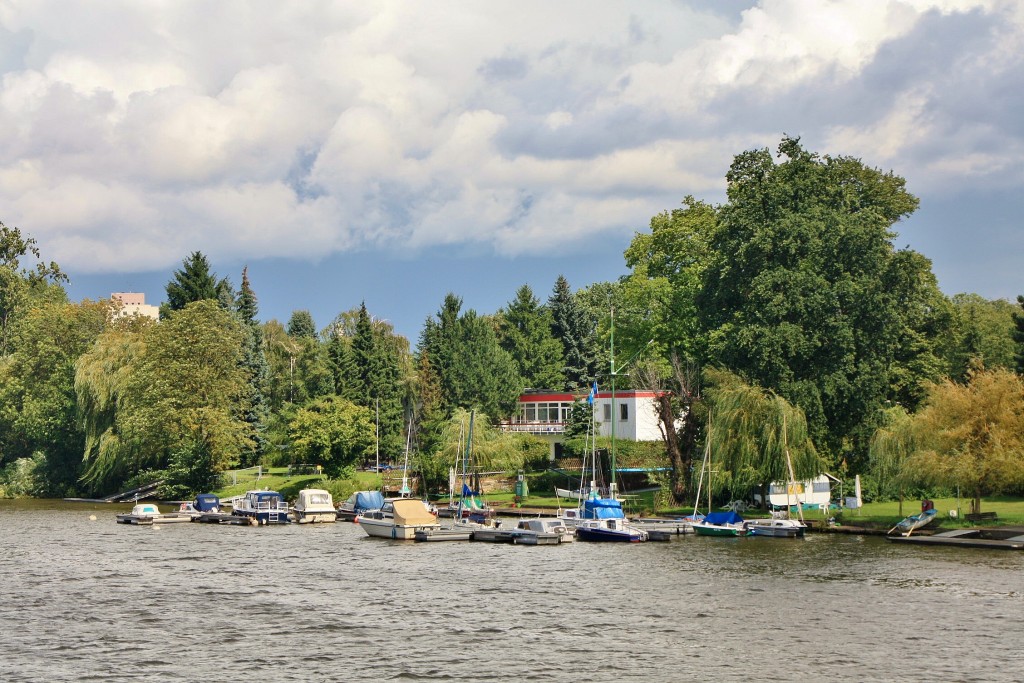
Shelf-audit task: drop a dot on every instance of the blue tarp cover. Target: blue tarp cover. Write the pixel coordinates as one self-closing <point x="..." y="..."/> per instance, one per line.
<point x="723" y="518"/>
<point x="369" y="500"/>
<point x="602" y="508"/>
<point x="205" y="502"/>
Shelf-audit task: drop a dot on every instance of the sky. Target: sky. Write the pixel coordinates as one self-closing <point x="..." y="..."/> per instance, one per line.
<point x="392" y="152"/>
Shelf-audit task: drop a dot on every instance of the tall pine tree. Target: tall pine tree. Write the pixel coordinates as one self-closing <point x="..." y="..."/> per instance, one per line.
<point x="575" y="330"/>
<point x="194" y="282"/>
<point x="254" y="362"/>
<point x="525" y="332"/>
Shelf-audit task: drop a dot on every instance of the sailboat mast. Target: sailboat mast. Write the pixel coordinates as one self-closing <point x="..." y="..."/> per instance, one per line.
<point x="612" y="485"/>
<point x="792" y="476"/>
<point x="405" y="470"/>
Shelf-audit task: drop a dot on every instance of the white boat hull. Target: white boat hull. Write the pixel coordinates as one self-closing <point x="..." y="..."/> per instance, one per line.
<point x="316" y="517"/>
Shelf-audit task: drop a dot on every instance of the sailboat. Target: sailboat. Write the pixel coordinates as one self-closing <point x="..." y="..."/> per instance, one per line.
<point x="781" y="526"/>
<point x="470" y="505"/>
<point x="602" y="519"/>
<point x="713" y="523"/>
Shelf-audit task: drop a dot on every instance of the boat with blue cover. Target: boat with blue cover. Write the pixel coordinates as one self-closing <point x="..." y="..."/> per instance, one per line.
<point x="359" y="503"/>
<point x="602" y="519"/>
<point x="266" y="507"/>
<point x="728" y="523"/>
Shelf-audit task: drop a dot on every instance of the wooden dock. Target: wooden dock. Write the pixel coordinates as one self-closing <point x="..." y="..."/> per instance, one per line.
<point x="1000" y="538"/>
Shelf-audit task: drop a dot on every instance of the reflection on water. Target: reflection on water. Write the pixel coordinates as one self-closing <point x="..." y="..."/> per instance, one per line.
<point x="93" y="600"/>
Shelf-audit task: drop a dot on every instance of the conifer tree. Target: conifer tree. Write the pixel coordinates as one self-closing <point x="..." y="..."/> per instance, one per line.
<point x="573" y="328"/>
<point x="254" y="361"/>
<point x="194" y="282"/>
<point x="301" y="325"/>
<point x="525" y="332"/>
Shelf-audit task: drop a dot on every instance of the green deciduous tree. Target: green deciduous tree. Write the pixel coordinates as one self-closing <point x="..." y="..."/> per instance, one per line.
<point x="38" y="411"/>
<point x="21" y="285"/>
<point x="1018" y="334"/>
<point x="173" y="388"/>
<point x="966" y="435"/>
<point x="804" y="293"/>
<point x="332" y="432"/>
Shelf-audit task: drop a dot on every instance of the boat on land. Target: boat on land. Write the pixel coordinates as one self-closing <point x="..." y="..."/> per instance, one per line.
<point x="776" y="528"/>
<point x="910" y="524"/>
<point x="266" y="507"/>
<point x="313" y="506"/>
<point x="398" y="519"/>
<point x="359" y="503"/>
<point x="148" y="514"/>
<point x="728" y="523"/>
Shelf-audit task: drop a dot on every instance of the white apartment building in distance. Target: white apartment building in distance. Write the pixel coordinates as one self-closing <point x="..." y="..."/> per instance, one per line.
<point x="134" y="303"/>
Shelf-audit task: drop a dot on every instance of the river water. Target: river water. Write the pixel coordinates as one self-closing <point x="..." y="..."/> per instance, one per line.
<point x="91" y="600"/>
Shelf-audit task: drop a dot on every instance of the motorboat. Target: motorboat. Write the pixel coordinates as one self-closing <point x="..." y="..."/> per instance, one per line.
<point x="542" y="531"/>
<point x="669" y="525"/>
<point x="727" y="523"/>
<point x="314" y="505"/>
<point x="602" y="519"/>
<point x="148" y="514"/>
<point x="459" y="529"/>
<point x="204" y="503"/>
<point x="398" y="519"/>
<point x="266" y="507"/>
<point x="359" y="503"/>
<point x="776" y="528"/>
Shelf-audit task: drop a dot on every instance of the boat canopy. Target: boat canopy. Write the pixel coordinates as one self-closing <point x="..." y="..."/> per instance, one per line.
<point x="206" y="502"/>
<point x="411" y="512"/>
<point x="310" y="497"/>
<point x="602" y="508"/>
<point x="729" y="517"/>
<point x="266" y="496"/>
<point x="368" y="500"/>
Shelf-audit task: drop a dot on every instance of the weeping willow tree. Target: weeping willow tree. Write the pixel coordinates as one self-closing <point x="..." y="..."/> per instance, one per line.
<point x="755" y="436"/>
<point x="172" y="388"/>
<point x="102" y="385"/>
<point x="890" y="449"/>
<point x="969" y="435"/>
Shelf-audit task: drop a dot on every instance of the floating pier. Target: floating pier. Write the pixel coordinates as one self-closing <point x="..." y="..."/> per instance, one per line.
<point x="1002" y="538"/>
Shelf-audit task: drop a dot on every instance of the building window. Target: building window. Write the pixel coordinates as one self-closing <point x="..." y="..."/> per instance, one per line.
<point x="607" y="412"/>
<point x="623" y="412"/>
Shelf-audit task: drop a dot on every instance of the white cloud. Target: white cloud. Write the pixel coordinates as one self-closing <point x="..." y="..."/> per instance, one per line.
<point x="131" y="135"/>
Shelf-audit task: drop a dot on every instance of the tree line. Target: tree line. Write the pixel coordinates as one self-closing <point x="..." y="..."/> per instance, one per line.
<point x="782" y="321"/>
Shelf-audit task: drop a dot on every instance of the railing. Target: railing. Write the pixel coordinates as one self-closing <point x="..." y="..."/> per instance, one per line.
<point x="534" y="427"/>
